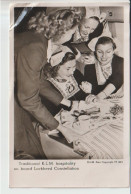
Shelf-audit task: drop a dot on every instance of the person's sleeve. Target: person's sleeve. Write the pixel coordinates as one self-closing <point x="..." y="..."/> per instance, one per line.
<point x="50" y="93"/>
<point x="88" y="73"/>
<point x="117" y="75"/>
<point x="29" y="62"/>
<point x="80" y="67"/>
<point x="78" y="76"/>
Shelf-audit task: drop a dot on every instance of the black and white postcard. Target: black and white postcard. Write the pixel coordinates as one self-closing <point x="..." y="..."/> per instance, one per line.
<point x="69" y="95"/>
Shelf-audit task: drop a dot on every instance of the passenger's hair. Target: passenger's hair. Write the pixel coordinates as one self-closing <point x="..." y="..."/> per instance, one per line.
<point x="51" y="72"/>
<point x="56" y="23"/>
<point x="95" y="18"/>
<point x="84" y="20"/>
<point x="105" y="40"/>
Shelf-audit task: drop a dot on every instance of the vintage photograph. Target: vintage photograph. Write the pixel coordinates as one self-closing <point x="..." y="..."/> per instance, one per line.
<point x="69" y="82"/>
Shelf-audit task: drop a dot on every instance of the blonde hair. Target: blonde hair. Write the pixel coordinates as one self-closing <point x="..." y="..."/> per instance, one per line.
<point x="56" y="23"/>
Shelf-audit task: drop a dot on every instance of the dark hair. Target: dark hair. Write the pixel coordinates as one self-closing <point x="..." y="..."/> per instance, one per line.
<point x="51" y="72"/>
<point x="105" y="40"/>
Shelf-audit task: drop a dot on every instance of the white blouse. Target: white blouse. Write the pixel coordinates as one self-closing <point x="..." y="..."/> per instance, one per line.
<point x="103" y="72"/>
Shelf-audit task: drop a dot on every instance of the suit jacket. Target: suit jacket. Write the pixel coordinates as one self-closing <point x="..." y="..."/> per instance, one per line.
<point x="30" y="57"/>
<point x="116" y="78"/>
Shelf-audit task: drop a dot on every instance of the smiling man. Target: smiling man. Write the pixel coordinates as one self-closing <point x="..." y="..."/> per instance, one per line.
<point x="86" y="28"/>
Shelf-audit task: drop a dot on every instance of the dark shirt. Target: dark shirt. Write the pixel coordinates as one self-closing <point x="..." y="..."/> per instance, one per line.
<point x="116" y="77"/>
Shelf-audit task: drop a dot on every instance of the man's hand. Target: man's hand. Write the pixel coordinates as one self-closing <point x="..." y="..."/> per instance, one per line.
<point x="87" y="59"/>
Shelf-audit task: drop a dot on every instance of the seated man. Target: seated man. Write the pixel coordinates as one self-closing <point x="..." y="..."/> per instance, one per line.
<point x="88" y="29"/>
